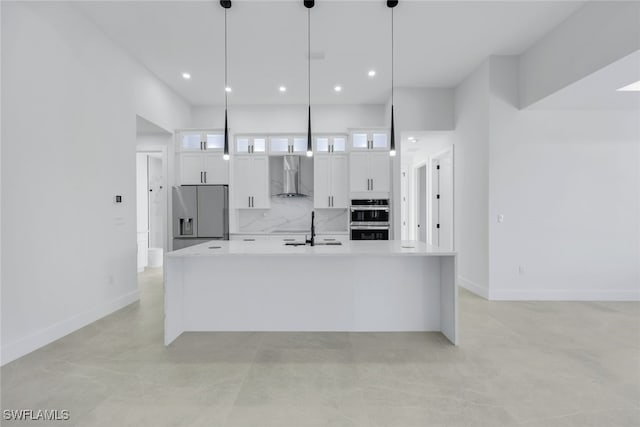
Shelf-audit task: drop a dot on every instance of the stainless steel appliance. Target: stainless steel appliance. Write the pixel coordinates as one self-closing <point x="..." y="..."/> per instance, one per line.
<point x="370" y="219"/>
<point x="200" y="213"/>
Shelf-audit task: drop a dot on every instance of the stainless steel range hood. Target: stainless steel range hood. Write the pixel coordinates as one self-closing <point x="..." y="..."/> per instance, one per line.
<point x="291" y="177"/>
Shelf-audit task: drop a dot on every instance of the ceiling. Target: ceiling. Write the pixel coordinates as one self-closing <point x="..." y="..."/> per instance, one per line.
<point x="598" y="91"/>
<point x="437" y="44"/>
<point x="144" y="126"/>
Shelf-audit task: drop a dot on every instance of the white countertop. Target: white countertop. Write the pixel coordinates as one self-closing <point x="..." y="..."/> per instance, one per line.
<point x="277" y="248"/>
<point x="286" y="233"/>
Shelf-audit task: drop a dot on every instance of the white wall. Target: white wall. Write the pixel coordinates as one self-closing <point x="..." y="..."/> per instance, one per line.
<point x="471" y="140"/>
<point x="70" y="99"/>
<point x="568" y="185"/>
<point x="289" y="118"/>
<point x="599" y="33"/>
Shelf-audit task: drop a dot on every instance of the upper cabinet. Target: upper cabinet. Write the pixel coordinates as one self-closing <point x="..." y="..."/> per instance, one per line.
<point x="200" y="140"/>
<point x="287" y="144"/>
<point x="369" y="140"/>
<point x="250" y="144"/>
<point x="330" y="144"/>
<point x="369" y="172"/>
<point x="199" y="158"/>
<point x="330" y="175"/>
<point x="202" y="168"/>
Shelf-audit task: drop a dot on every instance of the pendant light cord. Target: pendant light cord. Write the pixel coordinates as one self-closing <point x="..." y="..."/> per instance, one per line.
<point x="225" y="59"/>
<point x="309" y="53"/>
<point x="392" y="55"/>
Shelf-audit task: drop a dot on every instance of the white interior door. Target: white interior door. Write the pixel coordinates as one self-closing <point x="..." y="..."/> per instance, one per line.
<point x="445" y="190"/>
<point x="421" y="217"/>
<point x="435" y="203"/>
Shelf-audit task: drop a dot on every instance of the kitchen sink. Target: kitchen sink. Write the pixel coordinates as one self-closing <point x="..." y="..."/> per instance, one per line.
<point x="317" y="244"/>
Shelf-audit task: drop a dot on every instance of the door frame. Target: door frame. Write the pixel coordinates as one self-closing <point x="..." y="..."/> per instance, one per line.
<point x="414" y="208"/>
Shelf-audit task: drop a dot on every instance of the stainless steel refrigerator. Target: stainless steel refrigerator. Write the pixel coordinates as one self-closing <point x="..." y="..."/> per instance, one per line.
<point x="200" y="214"/>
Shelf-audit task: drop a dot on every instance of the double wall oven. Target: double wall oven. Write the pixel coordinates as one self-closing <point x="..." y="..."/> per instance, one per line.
<point x="370" y="219"/>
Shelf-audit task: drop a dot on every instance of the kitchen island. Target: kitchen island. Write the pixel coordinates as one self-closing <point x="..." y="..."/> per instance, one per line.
<point x="269" y="286"/>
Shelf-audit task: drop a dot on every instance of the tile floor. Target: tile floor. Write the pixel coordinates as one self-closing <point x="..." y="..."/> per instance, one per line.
<point x="519" y="364"/>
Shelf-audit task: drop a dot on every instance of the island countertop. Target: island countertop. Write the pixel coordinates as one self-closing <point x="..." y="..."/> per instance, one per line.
<point x="278" y="248"/>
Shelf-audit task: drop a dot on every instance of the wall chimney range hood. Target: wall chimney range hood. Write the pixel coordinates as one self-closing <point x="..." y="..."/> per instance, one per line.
<point x="291" y="177"/>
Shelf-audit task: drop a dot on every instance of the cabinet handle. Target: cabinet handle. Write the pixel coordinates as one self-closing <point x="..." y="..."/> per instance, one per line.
<point x="205" y="174"/>
<point x="332" y="205"/>
<point x="329" y="201"/>
<point x="205" y="145"/>
<point x="371" y="184"/>
<point x="249" y="201"/>
<point x="200" y="145"/>
<point x="200" y="177"/>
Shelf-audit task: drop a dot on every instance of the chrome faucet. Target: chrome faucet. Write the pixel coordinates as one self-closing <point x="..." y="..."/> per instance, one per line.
<point x="313" y="231"/>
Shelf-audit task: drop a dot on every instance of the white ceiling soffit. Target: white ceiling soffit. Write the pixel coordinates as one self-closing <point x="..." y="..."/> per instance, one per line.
<point x="144" y="126"/>
<point x="599" y="90"/>
<point x="437" y="44"/>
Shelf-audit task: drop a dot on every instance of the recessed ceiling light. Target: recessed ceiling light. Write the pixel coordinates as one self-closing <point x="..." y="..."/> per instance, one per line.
<point x="371" y="73"/>
<point x="338" y="88"/>
<point x="282" y="89"/>
<point x="186" y="76"/>
<point x="228" y="89"/>
<point x="633" y="87"/>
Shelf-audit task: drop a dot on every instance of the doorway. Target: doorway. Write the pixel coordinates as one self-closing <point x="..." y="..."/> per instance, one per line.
<point x="152" y="170"/>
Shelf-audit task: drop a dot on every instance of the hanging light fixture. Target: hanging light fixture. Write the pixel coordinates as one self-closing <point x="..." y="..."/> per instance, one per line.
<point x="309" y="4"/>
<point x="226" y="4"/>
<point x="392" y="148"/>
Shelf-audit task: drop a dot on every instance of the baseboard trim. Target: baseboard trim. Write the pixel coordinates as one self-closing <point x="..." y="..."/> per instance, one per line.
<point x="562" y="295"/>
<point x="473" y="287"/>
<point x="26" y="345"/>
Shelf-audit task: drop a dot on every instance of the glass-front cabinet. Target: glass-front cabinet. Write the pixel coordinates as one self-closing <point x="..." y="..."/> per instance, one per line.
<point x="287" y="144"/>
<point x="370" y="139"/>
<point x="250" y="144"/>
<point x="330" y="143"/>
<point x="200" y="140"/>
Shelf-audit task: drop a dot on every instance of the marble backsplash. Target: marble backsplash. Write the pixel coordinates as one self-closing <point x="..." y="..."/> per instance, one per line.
<point x="291" y="214"/>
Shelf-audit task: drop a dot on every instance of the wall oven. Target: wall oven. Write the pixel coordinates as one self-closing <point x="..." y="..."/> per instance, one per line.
<point x="370" y="219"/>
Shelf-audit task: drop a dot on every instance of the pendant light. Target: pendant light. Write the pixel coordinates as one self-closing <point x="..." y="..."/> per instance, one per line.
<point x="392" y="148"/>
<point x="309" y="4"/>
<point x="226" y="4"/>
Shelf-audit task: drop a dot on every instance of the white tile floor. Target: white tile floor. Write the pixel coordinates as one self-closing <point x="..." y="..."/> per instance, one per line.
<point x="526" y="363"/>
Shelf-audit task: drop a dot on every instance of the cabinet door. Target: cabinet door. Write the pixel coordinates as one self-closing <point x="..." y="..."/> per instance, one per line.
<point x="321" y="180"/>
<point x="380" y="165"/>
<point x="279" y="145"/>
<point x="322" y="144"/>
<point x="213" y="141"/>
<point x="190" y="141"/>
<point x="259" y="185"/>
<point x="216" y="169"/>
<point x="360" y="141"/>
<point x="379" y="140"/>
<point x="359" y="172"/>
<point x="191" y="168"/>
<point x="339" y="144"/>
<point x="338" y="186"/>
<point x="299" y="144"/>
<point x="242" y="175"/>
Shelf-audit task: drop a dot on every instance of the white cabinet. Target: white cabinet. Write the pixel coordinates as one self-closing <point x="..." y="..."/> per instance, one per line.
<point x="249" y="144"/>
<point x="287" y="144"/>
<point x="251" y="182"/>
<point x="196" y="168"/>
<point x="370" y="140"/>
<point x="369" y="172"/>
<point x="330" y="179"/>
<point x="330" y="144"/>
<point x="200" y="140"/>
